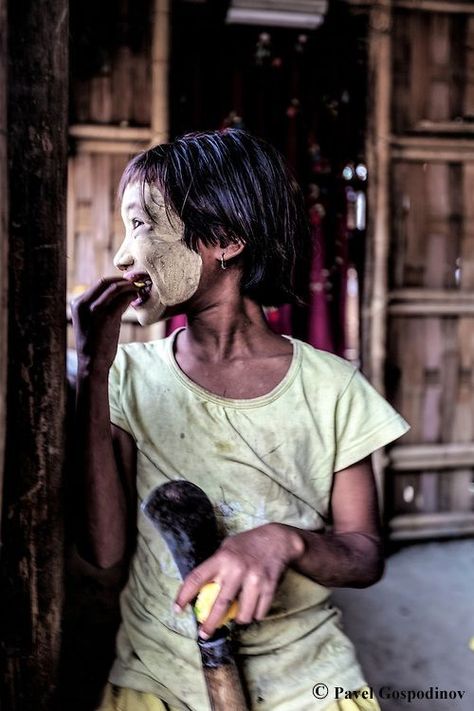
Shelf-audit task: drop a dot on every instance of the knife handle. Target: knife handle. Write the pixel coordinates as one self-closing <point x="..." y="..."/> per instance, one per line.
<point x="222" y="677"/>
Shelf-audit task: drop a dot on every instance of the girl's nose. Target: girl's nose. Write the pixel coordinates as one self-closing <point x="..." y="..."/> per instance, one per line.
<point x="123" y="260"/>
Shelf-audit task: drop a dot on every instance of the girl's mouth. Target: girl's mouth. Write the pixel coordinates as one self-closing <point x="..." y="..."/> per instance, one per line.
<point x="144" y="286"/>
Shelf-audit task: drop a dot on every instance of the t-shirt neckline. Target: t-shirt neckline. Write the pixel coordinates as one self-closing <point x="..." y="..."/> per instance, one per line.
<point x="265" y="399"/>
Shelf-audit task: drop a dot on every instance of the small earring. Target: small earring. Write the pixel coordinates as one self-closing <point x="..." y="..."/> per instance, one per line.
<point x="223" y="264"/>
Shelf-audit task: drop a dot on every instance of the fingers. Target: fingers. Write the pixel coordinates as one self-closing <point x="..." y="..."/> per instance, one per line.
<point x="192" y="584"/>
<point x="95" y="291"/>
<point x="267" y="593"/>
<point x="240" y="574"/>
<point x="227" y="594"/>
<point x="116" y="296"/>
<point x="114" y="292"/>
<point x="248" y="599"/>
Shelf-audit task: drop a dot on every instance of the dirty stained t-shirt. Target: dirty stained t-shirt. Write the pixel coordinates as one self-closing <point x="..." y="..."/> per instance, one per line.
<point x="270" y="458"/>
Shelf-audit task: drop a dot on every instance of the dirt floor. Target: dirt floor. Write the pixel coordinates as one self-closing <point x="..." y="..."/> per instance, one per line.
<point x="414" y="628"/>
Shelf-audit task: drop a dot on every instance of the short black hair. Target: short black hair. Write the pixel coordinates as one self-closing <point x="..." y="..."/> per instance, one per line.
<point x="227" y="186"/>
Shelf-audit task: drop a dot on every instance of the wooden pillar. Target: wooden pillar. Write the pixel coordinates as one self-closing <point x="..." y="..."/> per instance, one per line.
<point x="159" y="72"/>
<point x="378" y="160"/>
<point x="3" y="240"/>
<point x="32" y="554"/>
<point x="374" y="312"/>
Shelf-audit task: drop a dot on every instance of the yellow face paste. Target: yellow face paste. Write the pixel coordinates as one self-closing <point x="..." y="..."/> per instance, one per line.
<point x="154" y="246"/>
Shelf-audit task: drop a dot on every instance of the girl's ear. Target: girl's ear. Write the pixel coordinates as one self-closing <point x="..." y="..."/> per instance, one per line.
<point x="230" y="251"/>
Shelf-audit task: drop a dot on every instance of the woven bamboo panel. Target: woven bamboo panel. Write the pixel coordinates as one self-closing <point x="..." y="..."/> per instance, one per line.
<point x="111" y="62"/>
<point x="427" y="209"/>
<point x="433" y="78"/>
<point x="433" y="358"/>
<point x="430" y="355"/>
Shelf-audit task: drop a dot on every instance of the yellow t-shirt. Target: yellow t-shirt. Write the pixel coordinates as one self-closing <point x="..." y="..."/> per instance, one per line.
<point x="269" y="458"/>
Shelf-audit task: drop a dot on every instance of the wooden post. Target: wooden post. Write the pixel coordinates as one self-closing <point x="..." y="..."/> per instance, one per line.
<point x="159" y="71"/>
<point x="378" y="157"/>
<point x="3" y="241"/>
<point x="32" y="555"/>
<point x="160" y="48"/>
<point x="374" y="312"/>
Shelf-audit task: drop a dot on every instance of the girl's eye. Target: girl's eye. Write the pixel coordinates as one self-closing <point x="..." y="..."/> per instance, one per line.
<point x="136" y="223"/>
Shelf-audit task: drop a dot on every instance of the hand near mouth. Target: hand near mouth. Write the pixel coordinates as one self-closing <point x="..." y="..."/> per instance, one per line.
<point x="96" y="317"/>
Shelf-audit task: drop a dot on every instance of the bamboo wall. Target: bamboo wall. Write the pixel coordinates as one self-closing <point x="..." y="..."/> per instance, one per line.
<point x="430" y="266"/>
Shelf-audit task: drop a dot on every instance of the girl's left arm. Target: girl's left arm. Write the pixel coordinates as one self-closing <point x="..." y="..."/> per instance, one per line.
<point x="352" y="554"/>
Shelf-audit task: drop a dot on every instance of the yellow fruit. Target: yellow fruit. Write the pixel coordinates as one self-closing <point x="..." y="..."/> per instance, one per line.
<point x="205" y="600"/>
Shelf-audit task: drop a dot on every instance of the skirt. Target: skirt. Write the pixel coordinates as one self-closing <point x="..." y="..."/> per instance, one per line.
<point x="117" y="698"/>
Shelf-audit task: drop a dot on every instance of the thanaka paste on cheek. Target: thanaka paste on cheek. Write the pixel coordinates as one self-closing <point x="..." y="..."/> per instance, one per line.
<point x="174" y="269"/>
<point x="157" y="247"/>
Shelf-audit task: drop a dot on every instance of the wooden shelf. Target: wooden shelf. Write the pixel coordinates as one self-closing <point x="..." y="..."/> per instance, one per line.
<point x="443" y="524"/>
<point x="422" y="457"/>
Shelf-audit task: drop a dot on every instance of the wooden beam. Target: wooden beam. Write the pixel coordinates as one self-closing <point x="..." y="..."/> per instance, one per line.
<point x="453" y="296"/>
<point x="431" y="302"/>
<point x="432" y="308"/>
<point x="432" y="149"/>
<point x="31" y="576"/>
<point x="437" y="127"/>
<point x="3" y="243"/>
<point x="443" y="6"/>
<point x="444" y="524"/>
<point x="86" y="145"/>
<point x="159" y="72"/>
<point x="421" y="457"/>
<point x="103" y="132"/>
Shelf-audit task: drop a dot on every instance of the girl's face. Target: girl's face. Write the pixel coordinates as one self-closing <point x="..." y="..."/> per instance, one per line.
<point x="153" y="253"/>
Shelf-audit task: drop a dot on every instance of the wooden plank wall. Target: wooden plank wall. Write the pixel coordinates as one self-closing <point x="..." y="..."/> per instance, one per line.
<point x="430" y="344"/>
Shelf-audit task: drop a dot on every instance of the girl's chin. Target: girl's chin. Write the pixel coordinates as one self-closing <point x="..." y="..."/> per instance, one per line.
<point x="150" y="315"/>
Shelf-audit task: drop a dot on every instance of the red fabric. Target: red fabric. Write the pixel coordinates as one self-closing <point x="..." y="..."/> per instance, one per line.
<point x="279" y="319"/>
<point x="319" y="332"/>
<point x="174" y="322"/>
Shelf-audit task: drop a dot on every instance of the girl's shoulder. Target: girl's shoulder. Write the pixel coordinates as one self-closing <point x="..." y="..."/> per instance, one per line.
<point x="142" y="352"/>
<point x="324" y="366"/>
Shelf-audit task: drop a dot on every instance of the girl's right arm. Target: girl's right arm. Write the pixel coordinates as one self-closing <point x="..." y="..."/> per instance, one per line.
<point x="104" y="454"/>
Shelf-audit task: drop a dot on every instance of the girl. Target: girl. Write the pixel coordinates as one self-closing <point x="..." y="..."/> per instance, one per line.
<point x="277" y="433"/>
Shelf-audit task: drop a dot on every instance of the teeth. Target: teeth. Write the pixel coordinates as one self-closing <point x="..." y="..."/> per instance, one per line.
<point x="142" y="284"/>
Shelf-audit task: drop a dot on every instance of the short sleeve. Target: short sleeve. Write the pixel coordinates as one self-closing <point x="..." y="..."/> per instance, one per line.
<point x="117" y="374"/>
<point x="364" y="422"/>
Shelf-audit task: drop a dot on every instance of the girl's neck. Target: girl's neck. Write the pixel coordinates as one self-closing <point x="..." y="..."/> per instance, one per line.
<point x="233" y="328"/>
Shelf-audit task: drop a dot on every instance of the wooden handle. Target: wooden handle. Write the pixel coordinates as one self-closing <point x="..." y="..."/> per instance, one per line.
<point x="225" y="688"/>
<point x="223" y="681"/>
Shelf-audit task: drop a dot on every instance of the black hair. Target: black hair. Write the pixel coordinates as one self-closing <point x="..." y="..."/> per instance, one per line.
<point x="229" y="186"/>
